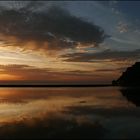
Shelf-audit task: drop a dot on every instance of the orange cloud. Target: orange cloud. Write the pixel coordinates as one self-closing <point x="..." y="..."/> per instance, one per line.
<point x="6" y="77"/>
<point x="25" y="73"/>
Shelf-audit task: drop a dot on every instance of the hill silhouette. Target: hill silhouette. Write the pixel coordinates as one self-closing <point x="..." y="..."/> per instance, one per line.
<point x="132" y="95"/>
<point x="131" y="77"/>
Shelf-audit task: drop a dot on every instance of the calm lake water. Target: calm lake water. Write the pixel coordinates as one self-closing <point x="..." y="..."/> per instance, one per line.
<point x="98" y="112"/>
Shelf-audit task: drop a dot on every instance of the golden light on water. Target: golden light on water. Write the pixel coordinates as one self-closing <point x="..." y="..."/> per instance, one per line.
<point x="15" y="104"/>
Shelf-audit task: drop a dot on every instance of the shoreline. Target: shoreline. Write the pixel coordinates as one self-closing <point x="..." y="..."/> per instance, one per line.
<point x="45" y="86"/>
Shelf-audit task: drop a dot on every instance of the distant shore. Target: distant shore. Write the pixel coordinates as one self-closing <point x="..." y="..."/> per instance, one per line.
<point x="36" y="86"/>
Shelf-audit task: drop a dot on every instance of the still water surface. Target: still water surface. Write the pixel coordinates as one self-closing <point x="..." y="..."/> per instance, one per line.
<point x="98" y="112"/>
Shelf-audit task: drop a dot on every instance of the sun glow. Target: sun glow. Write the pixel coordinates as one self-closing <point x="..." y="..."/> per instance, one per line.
<point x="5" y="77"/>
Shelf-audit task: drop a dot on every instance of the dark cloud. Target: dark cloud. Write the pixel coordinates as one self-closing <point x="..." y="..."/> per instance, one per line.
<point x="54" y="25"/>
<point x="105" y="55"/>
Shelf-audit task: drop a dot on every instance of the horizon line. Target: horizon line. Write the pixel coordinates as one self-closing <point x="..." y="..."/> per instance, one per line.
<point x="55" y="85"/>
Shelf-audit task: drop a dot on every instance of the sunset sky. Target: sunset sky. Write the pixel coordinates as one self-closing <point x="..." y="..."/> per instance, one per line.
<point x="57" y="42"/>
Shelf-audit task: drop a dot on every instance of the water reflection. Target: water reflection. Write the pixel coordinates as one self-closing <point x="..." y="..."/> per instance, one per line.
<point x="67" y="113"/>
<point x="52" y="126"/>
<point x="132" y="95"/>
<point x="16" y="103"/>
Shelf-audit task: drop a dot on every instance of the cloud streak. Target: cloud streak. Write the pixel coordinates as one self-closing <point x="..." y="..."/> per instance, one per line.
<point x="102" y="56"/>
<point x="25" y="74"/>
